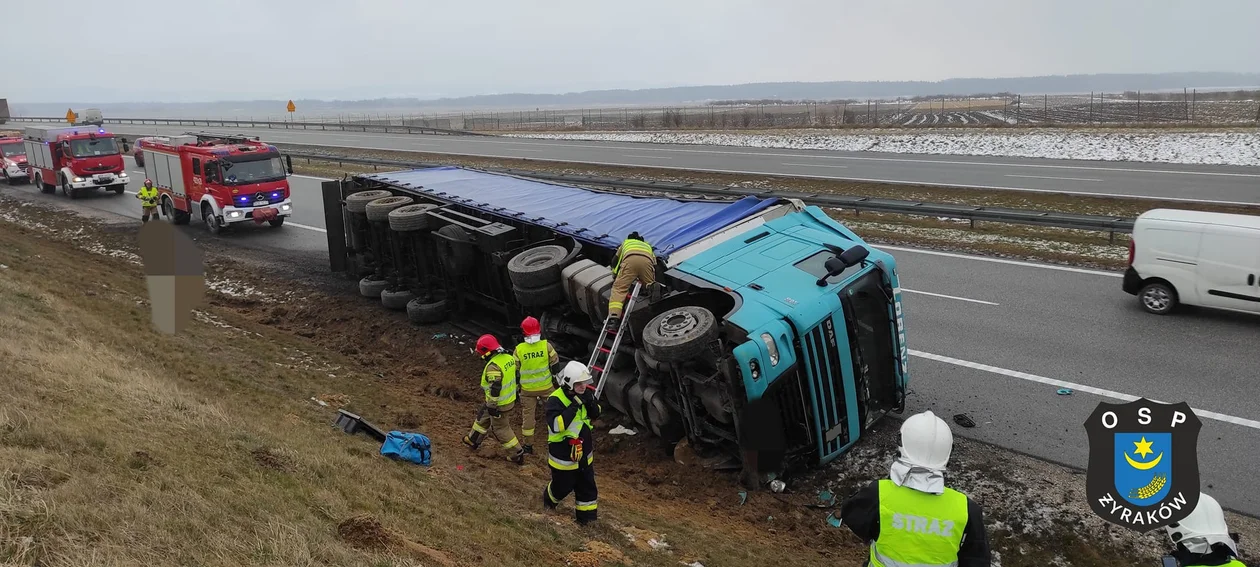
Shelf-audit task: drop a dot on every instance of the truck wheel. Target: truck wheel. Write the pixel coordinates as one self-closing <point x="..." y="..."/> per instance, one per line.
<point x="679" y="334"/>
<point x="44" y="187"/>
<point x="372" y="287"/>
<point x="378" y="210"/>
<point x="410" y="218"/>
<point x="357" y="202"/>
<point x="1158" y="298"/>
<point x="118" y="190"/>
<point x="176" y="215"/>
<point x="207" y="216"/>
<point x="396" y="300"/>
<point x="543" y="296"/>
<point x="276" y="222"/>
<point x="67" y="191"/>
<point x="537" y="267"/>
<point x="426" y="313"/>
<point x="455" y="250"/>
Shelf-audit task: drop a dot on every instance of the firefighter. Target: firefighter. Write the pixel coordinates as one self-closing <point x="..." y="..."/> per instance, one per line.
<point x="1203" y="538"/>
<point x="148" y="195"/>
<point x="633" y="260"/>
<point x="536" y="360"/>
<point x="570" y="443"/>
<point x="498" y="379"/>
<point x="916" y="489"/>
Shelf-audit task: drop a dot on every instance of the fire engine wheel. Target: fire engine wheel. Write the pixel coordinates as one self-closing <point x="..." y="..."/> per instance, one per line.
<point x="379" y="209"/>
<point x="207" y="217"/>
<point x="455" y="250"/>
<point x="543" y="296"/>
<point x="170" y="212"/>
<point x="67" y="190"/>
<point x="410" y="218"/>
<point x="396" y="300"/>
<point x="357" y="202"/>
<point x="372" y="287"/>
<point x="537" y="267"/>
<point x="426" y="313"/>
<point x="118" y="190"/>
<point x="44" y="187"/>
<point x="679" y="334"/>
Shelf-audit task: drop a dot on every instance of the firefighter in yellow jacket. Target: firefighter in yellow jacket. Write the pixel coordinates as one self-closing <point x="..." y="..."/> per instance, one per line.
<point x="633" y="260"/>
<point x="498" y="379"/>
<point x="148" y="195"/>
<point x="535" y="360"/>
<point x="571" y="444"/>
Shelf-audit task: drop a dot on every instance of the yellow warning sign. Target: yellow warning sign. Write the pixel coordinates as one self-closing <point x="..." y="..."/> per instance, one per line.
<point x="291" y="108"/>
<point x="71" y="116"/>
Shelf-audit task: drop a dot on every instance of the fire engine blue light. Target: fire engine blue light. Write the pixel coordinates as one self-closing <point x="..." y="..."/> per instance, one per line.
<point x="275" y="195"/>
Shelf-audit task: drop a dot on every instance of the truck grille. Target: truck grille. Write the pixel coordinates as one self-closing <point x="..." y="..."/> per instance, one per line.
<point x="797" y="428"/>
<point x="100" y="168"/>
<point x="826" y="380"/>
<point x="25" y="167"/>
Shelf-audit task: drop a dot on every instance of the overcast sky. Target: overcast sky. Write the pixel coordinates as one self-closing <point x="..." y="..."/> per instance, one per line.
<point x="177" y="50"/>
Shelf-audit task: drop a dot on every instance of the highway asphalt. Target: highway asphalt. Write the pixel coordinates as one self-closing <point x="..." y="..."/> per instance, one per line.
<point x="995" y="339"/>
<point x="1224" y="184"/>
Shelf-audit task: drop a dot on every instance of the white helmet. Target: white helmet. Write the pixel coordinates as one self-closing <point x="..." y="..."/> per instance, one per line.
<point x="1204" y="527"/>
<point x="926" y="441"/>
<point x="573" y="373"/>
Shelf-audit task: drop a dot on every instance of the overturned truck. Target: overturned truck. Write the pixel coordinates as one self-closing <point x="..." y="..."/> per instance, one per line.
<point x="761" y="301"/>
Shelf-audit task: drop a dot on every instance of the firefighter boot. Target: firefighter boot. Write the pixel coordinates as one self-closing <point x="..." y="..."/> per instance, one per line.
<point x="613" y="322"/>
<point x="473" y="440"/>
<point x="529" y="449"/>
<point x="519" y="457"/>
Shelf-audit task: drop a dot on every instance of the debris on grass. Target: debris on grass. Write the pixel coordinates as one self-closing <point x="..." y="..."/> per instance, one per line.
<point x="621" y="430"/>
<point x="598" y="554"/>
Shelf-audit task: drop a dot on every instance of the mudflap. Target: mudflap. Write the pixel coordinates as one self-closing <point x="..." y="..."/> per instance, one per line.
<point x="264" y="215"/>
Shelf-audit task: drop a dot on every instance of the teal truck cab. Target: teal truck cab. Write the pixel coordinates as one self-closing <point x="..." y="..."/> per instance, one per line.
<point x="762" y="302"/>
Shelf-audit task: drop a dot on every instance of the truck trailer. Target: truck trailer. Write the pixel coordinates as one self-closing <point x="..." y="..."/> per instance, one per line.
<point x="76" y="159"/>
<point x="761" y="302"/>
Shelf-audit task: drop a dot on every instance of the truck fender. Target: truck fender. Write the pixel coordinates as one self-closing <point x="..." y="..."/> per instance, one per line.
<point x="214" y="206"/>
<point x="66" y="173"/>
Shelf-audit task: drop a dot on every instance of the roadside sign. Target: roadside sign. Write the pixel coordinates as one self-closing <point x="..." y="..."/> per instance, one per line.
<point x="291" y="108"/>
<point x="71" y="116"/>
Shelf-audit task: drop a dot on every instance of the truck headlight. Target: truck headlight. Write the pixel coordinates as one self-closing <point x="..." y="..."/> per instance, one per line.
<point x="78" y="180"/>
<point x="285" y="207"/>
<point x="770" y="346"/>
<point x="235" y="214"/>
<point x="122" y="174"/>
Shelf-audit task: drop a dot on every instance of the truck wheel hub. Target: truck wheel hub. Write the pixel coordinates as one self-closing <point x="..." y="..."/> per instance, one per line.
<point x="678" y="324"/>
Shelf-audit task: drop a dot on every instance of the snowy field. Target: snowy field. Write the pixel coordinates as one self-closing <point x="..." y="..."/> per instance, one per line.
<point x="1212" y="148"/>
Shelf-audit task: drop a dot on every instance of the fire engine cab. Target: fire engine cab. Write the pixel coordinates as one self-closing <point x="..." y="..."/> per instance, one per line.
<point x="13" y="166"/>
<point x="76" y="159"/>
<point x="222" y="179"/>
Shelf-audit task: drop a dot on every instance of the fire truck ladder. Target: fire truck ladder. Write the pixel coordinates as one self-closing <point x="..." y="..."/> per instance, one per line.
<point x="602" y="357"/>
<point x="228" y="138"/>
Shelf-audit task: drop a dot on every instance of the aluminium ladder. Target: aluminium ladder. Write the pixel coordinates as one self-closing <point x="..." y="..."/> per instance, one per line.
<point x="599" y="368"/>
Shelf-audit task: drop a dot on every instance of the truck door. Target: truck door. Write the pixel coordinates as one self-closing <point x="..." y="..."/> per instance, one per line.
<point x="1229" y="266"/>
<point x="197" y="187"/>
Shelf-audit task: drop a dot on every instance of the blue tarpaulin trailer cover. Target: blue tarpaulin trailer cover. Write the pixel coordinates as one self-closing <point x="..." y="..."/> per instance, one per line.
<point x="592" y="216"/>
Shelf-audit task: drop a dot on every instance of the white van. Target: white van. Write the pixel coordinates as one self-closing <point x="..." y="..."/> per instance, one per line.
<point x="1194" y="258"/>
<point x="92" y="116"/>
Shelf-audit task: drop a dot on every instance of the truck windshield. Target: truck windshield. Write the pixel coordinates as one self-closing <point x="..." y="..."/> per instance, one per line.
<point x="255" y="170"/>
<point x="866" y="306"/>
<point x="90" y="148"/>
<point x="12" y="150"/>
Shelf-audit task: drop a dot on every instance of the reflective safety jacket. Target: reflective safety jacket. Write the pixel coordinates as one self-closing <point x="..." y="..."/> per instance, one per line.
<point x="569" y="421"/>
<point x="148" y="196"/>
<point x="904" y="526"/>
<point x="630" y="247"/>
<point x="535" y="362"/>
<point x="498" y="379"/>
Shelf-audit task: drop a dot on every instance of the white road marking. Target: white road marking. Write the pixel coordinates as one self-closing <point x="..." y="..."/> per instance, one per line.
<point x="646" y="157"/>
<point x="303" y="226"/>
<point x="1253" y="424"/>
<point x="1059" y="178"/>
<point x="948" y="296"/>
<point x="1003" y="261"/>
<point x="814" y="165"/>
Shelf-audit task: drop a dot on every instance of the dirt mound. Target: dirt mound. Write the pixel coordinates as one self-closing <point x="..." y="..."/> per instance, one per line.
<point x="646" y="540"/>
<point x="598" y="554"/>
<point x="334" y="400"/>
<point x="366" y="532"/>
<point x="268" y="459"/>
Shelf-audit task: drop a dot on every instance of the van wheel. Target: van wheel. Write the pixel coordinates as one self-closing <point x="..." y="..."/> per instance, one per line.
<point x="1158" y="298"/>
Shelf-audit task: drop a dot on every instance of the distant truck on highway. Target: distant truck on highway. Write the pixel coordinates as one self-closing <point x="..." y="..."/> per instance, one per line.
<point x="770" y="315"/>
<point x="74" y="158"/>
<point x="91" y="116"/>
<point x="221" y="179"/>
<point x="13" y="165"/>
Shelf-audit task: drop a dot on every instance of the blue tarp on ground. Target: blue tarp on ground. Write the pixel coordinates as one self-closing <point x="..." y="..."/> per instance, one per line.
<point x="591" y="216"/>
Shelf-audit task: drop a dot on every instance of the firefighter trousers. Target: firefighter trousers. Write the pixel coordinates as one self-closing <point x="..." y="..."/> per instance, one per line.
<point x="501" y="427"/>
<point x="633" y="267"/>
<point x="529" y="405"/>
<point x="581" y="482"/>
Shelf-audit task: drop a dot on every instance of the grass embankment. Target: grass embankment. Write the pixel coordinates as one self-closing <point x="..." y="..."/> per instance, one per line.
<point x="1085" y="248"/>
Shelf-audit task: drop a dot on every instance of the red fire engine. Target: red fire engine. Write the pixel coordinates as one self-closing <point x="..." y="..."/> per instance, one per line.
<point x="75" y="158"/>
<point x="13" y="166"/>
<point x="222" y="179"/>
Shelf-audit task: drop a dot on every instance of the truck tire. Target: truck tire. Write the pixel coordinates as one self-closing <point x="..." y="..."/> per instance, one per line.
<point x="544" y="296"/>
<point x="118" y="189"/>
<point x="44" y="187"/>
<point x="456" y="250"/>
<point x="410" y="218"/>
<point x="426" y="313"/>
<point x="372" y="287"/>
<point x="396" y="300"/>
<point x="276" y="222"/>
<point x="208" y="218"/>
<point x="67" y="191"/>
<point x="177" y="216"/>
<point x="537" y="267"/>
<point x="679" y="334"/>
<point x="379" y="209"/>
<point x="357" y="202"/>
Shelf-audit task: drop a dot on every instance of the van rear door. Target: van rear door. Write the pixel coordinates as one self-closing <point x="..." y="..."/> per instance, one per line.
<point x="1229" y="267"/>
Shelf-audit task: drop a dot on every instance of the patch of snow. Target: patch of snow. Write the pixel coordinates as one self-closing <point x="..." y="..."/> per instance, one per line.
<point x="232" y="288"/>
<point x="1211" y="148"/>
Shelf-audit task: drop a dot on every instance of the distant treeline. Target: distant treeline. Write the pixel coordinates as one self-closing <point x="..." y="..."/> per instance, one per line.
<point x="1210" y="95"/>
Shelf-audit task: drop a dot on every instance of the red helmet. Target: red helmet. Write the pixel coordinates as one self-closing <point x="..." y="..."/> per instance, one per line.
<point x="487" y="344"/>
<point x="530" y="326"/>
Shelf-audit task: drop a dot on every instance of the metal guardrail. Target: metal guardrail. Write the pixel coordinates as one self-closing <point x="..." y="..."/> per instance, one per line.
<point x="1111" y="225"/>
<point x="333" y="126"/>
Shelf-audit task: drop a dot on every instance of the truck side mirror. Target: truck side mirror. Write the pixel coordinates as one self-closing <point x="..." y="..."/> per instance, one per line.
<point x="854" y="256"/>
